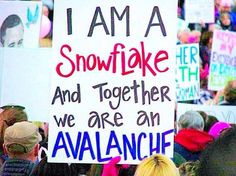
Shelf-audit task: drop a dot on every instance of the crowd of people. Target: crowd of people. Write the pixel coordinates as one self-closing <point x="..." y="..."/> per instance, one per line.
<point x="203" y="145"/>
<point x="202" y="34"/>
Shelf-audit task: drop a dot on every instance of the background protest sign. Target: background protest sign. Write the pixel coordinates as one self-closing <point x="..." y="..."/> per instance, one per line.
<point x="25" y="80"/>
<point x="223" y="59"/>
<point x="20" y="23"/>
<point x="112" y="87"/>
<point x="222" y="113"/>
<point x="199" y="11"/>
<point x="187" y="72"/>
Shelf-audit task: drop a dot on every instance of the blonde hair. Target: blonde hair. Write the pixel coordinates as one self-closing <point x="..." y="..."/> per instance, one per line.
<point x="157" y="165"/>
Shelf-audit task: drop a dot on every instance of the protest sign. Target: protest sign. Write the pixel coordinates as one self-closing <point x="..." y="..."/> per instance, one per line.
<point x="199" y="11"/>
<point x="187" y="72"/>
<point x="222" y="113"/>
<point x="113" y="80"/>
<point x="223" y="59"/>
<point x="26" y="80"/>
<point x="20" y="23"/>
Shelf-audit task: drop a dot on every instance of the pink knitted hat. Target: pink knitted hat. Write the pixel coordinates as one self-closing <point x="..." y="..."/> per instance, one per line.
<point x="217" y="128"/>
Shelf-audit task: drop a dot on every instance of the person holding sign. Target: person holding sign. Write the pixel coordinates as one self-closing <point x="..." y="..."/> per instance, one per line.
<point x="12" y="32"/>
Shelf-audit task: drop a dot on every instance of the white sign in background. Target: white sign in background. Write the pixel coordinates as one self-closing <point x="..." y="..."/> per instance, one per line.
<point x="30" y="13"/>
<point x="25" y="80"/>
<point x="200" y="11"/>
<point x="222" y="113"/>
<point x="104" y="111"/>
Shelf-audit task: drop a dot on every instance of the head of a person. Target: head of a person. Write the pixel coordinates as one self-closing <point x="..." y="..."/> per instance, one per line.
<point x="12" y="32"/>
<point x="80" y="169"/>
<point x="191" y="120"/>
<point x="130" y="171"/>
<point x="206" y="38"/>
<point x="209" y="122"/>
<point x="189" y="168"/>
<point x="21" y="141"/>
<point x="204" y="78"/>
<point x="157" y="164"/>
<point x="225" y="6"/>
<point x="10" y="115"/>
<point x="219" y="158"/>
<point x="230" y="92"/>
<point x="225" y="19"/>
<point x="44" y="168"/>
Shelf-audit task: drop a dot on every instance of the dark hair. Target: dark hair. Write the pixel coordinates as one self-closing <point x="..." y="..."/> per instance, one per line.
<point x="59" y="169"/>
<point x="210" y="121"/>
<point x="219" y="158"/>
<point x="11" y="21"/>
<point x="203" y="114"/>
<point x="205" y="37"/>
<point x="51" y="169"/>
<point x="77" y="168"/>
<point x="180" y="3"/>
<point x="130" y="171"/>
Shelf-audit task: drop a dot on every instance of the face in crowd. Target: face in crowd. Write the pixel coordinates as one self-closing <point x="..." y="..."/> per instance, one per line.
<point x="12" y="32"/>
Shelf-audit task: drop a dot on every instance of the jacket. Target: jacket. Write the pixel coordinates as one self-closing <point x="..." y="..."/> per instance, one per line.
<point x="17" y="167"/>
<point x="189" y="143"/>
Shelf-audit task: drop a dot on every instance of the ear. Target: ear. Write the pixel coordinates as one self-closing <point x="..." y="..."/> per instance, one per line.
<point x="4" y="149"/>
<point x="36" y="150"/>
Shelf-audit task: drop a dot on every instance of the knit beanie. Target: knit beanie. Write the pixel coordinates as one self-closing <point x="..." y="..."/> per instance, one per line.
<point x="217" y="128"/>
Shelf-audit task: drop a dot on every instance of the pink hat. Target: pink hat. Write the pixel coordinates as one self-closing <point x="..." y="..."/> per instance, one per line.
<point x="217" y="128"/>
